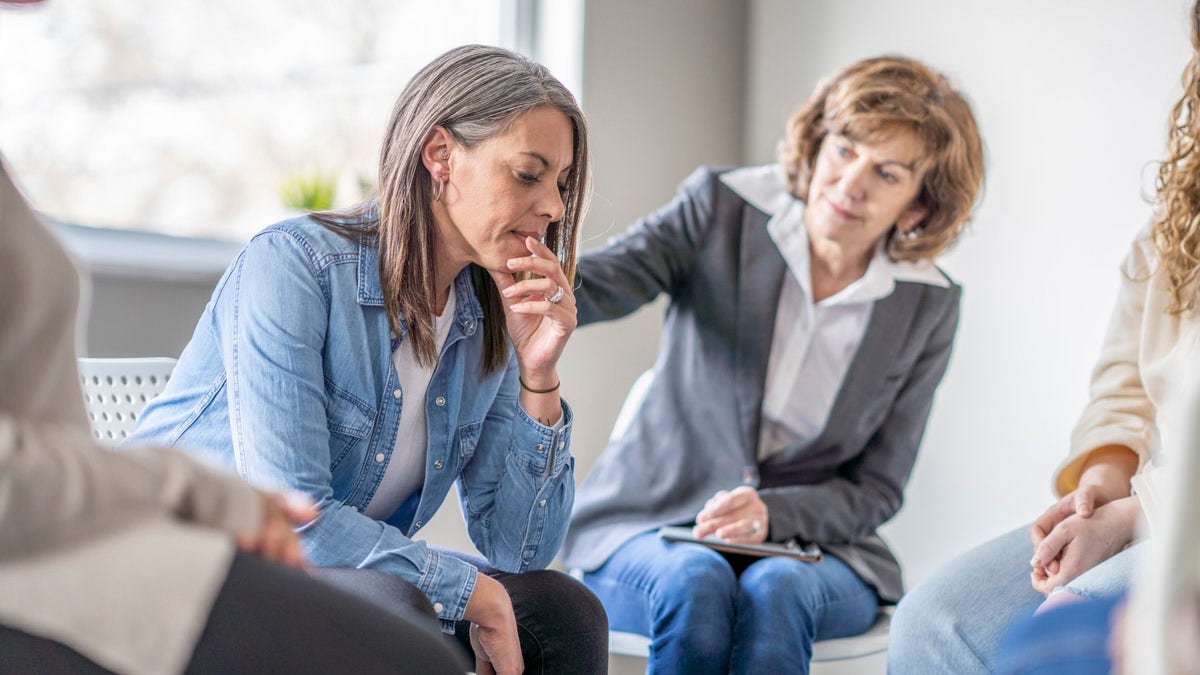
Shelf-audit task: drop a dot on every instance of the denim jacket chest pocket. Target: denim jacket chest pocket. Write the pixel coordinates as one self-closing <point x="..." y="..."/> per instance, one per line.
<point x="467" y="437"/>
<point x="350" y="421"/>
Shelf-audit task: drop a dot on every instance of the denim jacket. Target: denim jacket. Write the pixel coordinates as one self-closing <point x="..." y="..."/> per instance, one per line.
<point x="289" y="380"/>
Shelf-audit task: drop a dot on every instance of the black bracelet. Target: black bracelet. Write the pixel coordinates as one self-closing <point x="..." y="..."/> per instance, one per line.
<point x="538" y="391"/>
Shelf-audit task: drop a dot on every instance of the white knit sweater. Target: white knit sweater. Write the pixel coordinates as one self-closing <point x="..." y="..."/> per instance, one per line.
<point x="1140" y="387"/>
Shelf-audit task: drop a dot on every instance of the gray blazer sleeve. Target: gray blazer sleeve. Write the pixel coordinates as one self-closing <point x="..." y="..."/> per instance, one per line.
<point x="654" y="256"/>
<point x="869" y="490"/>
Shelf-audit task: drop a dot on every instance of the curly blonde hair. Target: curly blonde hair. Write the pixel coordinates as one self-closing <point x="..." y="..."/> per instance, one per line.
<point x="1176" y="230"/>
<point x="873" y="97"/>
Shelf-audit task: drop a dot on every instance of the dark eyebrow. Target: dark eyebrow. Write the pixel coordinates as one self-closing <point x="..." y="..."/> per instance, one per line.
<point x="543" y="160"/>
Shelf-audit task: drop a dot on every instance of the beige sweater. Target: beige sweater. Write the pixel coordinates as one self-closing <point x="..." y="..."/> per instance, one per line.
<point x="1140" y="386"/>
<point x="119" y="556"/>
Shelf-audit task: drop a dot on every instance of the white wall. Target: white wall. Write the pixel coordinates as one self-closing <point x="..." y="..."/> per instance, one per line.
<point x="662" y="88"/>
<point x="1072" y="98"/>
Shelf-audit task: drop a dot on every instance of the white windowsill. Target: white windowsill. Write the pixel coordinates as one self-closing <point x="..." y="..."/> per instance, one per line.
<point x="149" y="256"/>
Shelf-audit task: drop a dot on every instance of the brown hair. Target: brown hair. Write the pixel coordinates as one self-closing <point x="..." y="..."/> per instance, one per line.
<point x="872" y="98"/>
<point x="1176" y="230"/>
<point x="475" y="92"/>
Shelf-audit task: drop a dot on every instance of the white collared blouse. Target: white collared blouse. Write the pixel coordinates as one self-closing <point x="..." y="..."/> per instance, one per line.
<point x="814" y="343"/>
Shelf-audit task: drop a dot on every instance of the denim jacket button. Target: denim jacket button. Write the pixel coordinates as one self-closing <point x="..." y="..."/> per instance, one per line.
<point x="542" y="503"/>
<point x="437" y="464"/>
<point x="395" y="393"/>
<point x="380" y="457"/>
<point x="439" y="401"/>
<point x="354" y="508"/>
<point x="541" y="447"/>
<point x="438" y="607"/>
<point x="469" y="326"/>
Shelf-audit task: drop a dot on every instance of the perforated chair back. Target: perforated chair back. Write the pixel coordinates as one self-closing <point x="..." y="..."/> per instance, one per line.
<point x="116" y="390"/>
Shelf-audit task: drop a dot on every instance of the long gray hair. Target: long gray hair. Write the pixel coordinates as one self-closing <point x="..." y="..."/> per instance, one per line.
<point x="475" y="92"/>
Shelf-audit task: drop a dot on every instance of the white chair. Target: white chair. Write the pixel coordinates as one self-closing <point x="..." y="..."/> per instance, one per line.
<point x="116" y="390"/>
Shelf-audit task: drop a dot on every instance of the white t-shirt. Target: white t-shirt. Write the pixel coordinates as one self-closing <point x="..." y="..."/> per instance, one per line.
<point x="405" y="471"/>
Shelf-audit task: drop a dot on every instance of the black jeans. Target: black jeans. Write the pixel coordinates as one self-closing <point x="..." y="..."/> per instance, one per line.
<point x="271" y="619"/>
<point x="562" y="626"/>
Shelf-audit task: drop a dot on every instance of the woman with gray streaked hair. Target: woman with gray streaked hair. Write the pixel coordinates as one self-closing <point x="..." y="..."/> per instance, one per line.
<point x="372" y="358"/>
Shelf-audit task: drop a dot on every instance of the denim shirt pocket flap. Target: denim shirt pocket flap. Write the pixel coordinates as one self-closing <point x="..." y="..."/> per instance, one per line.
<point x="468" y="438"/>
<point x="347" y="414"/>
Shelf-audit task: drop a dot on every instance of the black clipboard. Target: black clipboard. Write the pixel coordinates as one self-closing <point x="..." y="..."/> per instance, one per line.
<point x="793" y="548"/>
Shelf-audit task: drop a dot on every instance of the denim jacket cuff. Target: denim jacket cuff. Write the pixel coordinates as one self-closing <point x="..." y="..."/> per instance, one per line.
<point x="448" y="583"/>
<point x="545" y="450"/>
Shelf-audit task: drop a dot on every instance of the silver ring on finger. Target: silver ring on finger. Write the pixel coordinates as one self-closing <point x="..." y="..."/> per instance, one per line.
<point x="558" y="295"/>
<point x="755" y="527"/>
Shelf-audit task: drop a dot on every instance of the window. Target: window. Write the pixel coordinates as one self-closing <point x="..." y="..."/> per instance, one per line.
<point x="213" y="118"/>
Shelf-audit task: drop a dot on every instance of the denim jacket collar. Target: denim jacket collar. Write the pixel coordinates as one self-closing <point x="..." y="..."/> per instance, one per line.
<point x="468" y="312"/>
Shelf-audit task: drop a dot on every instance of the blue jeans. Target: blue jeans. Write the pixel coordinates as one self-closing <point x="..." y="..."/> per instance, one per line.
<point x="1070" y="640"/>
<point x="953" y="621"/>
<point x="706" y="613"/>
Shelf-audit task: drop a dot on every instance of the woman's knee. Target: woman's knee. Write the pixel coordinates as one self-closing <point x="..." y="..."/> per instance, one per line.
<point x="931" y="602"/>
<point x="773" y="575"/>
<point x="562" y="624"/>
<point x="994" y="574"/>
<point x="807" y="597"/>
<point x="556" y="599"/>
<point x="694" y="599"/>
<point x="698" y="571"/>
<point x="776" y="580"/>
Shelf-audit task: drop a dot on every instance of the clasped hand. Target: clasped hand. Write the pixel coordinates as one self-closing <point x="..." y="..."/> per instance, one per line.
<point x="1078" y="533"/>
<point x="738" y="516"/>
